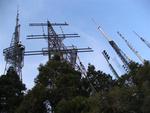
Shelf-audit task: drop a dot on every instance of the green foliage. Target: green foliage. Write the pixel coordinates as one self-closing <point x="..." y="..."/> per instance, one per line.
<point x="61" y="79"/>
<point x="11" y="92"/>
<point x="69" y="92"/>
<point x="130" y="94"/>
<point x="56" y="81"/>
<point x="101" y="81"/>
<point x="33" y="101"/>
<point x="75" y="105"/>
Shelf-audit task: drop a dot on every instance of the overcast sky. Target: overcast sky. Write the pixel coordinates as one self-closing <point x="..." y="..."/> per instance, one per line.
<point x="112" y="15"/>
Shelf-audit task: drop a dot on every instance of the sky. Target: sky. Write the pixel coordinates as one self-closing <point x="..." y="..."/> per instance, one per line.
<point x="112" y="15"/>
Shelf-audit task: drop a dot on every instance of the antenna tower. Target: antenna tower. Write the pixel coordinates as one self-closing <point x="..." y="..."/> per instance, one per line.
<point x="126" y="61"/>
<point x="142" y="39"/>
<point x="132" y="49"/>
<point x="14" y="55"/>
<point x="56" y="46"/>
<point x="107" y="57"/>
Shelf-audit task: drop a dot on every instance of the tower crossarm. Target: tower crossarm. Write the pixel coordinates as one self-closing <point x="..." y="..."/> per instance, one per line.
<point x="52" y="35"/>
<point x="45" y="51"/>
<point x="45" y="24"/>
<point x="60" y="36"/>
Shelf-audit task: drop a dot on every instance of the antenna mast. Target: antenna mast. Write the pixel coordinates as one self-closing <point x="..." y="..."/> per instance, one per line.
<point x="14" y="55"/>
<point x="107" y="57"/>
<point x="57" y="46"/>
<point x="132" y="49"/>
<point x="55" y="43"/>
<point x="142" y="39"/>
<point x="126" y="61"/>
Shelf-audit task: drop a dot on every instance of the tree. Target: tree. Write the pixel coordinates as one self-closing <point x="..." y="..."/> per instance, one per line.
<point x="55" y="82"/>
<point x="11" y="91"/>
<point x="34" y="101"/>
<point x="61" y="79"/>
<point x="76" y="105"/>
<point x="102" y="82"/>
<point x="66" y="91"/>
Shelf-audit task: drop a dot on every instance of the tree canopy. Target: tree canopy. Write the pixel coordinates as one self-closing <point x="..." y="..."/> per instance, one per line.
<point x="60" y="88"/>
<point x="11" y="92"/>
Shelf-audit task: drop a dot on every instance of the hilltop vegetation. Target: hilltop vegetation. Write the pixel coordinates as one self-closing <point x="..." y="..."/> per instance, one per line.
<point x="67" y="91"/>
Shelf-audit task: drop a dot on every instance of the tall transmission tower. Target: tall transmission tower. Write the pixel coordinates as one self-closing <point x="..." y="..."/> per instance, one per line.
<point x="124" y="58"/>
<point x="14" y="55"/>
<point x="56" y="46"/>
<point x="107" y="57"/>
<point x="132" y="49"/>
<point x="142" y="39"/>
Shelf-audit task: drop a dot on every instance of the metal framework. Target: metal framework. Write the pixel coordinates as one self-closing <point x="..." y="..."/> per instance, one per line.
<point x="124" y="58"/>
<point x="107" y="57"/>
<point x="132" y="49"/>
<point x="14" y="55"/>
<point x="56" y="45"/>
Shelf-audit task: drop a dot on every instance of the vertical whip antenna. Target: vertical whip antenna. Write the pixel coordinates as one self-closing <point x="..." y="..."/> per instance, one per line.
<point x="132" y="49"/>
<point x="99" y="28"/>
<point x="142" y="39"/>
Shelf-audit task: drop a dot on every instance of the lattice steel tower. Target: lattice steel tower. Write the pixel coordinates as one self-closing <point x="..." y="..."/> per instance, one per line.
<point x="55" y="44"/>
<point x="14" y="55"/>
